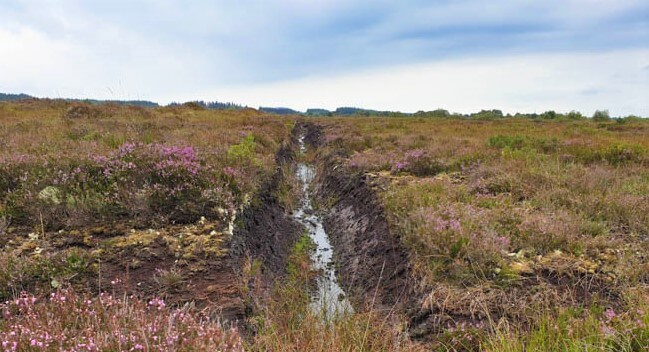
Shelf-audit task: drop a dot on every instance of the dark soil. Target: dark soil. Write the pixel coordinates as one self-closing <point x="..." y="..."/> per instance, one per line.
<point x="375" y="266"/>
<point x="265" y="231"/>
<point x="372" y="265"/>
<point x="209" y="281"/>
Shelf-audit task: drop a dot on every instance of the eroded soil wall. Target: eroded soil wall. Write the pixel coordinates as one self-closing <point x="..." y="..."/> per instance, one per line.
<point x="265" y="231"/>
<point x="372" y="265"/>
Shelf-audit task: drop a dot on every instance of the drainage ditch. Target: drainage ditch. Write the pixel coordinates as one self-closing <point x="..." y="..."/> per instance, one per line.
<point x="362" y="265"/>
<point x="329" y="298"/>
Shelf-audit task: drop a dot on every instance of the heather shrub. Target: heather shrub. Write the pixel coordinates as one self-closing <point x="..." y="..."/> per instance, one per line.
<point x="41" y="270"/>
<point x="151" y="183"/>
<point x="418" y="163"/>
<point x="528" y="218"/>
<point x="372" y="160"/>
<point x="168" y="180"/>
<point x="15" y="181"/>
<point x="617" y="154"/>
<point x="596" y="329"/>
<point x="454" y="238"/>
<point x="548" y="232"/>
<point x="67" y="321"/>
<point x="20" y="274"/>
<point x="84" y="111"/>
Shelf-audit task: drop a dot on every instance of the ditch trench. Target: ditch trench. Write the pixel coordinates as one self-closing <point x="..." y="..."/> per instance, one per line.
<point x="370" y="263"/>
<point x="362" y="266"/>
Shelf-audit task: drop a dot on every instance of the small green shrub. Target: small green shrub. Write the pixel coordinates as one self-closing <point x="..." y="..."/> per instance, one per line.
<point x="617" y="154"/>
<point x="517" y="142"/>
<point x="601" y="115"/>
<point x="512" y="142"/>
<point x="244" y="150"/>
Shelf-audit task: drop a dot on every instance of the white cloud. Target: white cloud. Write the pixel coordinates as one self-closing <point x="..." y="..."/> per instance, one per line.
<point x="27" y="58"/>
<point x="585" y="82"/>
<point x="172" y="50"/>
<point x="117" y="64"/>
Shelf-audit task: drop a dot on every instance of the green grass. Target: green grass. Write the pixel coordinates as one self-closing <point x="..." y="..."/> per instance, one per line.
<point x="575" y="330"/>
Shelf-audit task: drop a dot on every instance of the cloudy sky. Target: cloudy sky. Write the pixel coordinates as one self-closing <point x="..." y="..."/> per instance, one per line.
<point x="408" y="55"/>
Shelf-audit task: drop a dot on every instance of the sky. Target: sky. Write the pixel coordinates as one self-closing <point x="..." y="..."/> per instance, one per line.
<point x="407" y="55"/>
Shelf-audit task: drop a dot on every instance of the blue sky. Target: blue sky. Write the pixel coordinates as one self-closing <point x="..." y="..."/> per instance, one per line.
<point x="400" y="55"/>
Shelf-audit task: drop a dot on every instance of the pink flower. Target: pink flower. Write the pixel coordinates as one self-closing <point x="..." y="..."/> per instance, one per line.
<point x="607" y="330"/>
<point x="230" y="171"/>
<point x="503" y="241"/>
<point x="400" y="165"/>
<point x="454" y="225"/>
<point x="415" y="154"/>
<point x="157" y="302"/>
<point x="609" y="314"/>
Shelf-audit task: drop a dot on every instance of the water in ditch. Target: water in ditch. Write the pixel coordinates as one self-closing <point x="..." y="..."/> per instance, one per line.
<point x="329" y="298"/>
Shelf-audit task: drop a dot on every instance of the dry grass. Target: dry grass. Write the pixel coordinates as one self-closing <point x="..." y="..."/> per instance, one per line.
<point x="510" y="221"/>
<point x="523" y="235"/>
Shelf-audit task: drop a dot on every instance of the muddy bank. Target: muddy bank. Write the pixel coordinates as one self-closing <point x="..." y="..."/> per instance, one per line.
<point x="371" y="263"/>
<point x="264" y="233"/>
<point x="202" y="263"/>
<point x="152" y="263"/>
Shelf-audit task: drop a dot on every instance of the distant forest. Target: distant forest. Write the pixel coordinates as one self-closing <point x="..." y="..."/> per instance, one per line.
<point x="279" y="111"/>
<point x="599" y="115"/>
<point x="11" y="97"/>
<point x="214" y="105"/>
<point x="142" y="103"/>
<point x="349" y="111"/>
<point x="211" y="105"/>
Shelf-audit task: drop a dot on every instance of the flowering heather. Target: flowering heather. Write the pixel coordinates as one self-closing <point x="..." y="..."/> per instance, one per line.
<point x="138" y="180"/>
<point x="74" y="195"/>
<point x="415" y="154"/>
<point x="373" y="160"/>
<point x="400" y="165"/>
<point x="454" y="235"/>
<point x="230" y="171"/>
<point x="165" y="161"/>
<point x="67" y="321"/>
<point x="139" y="164"/>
